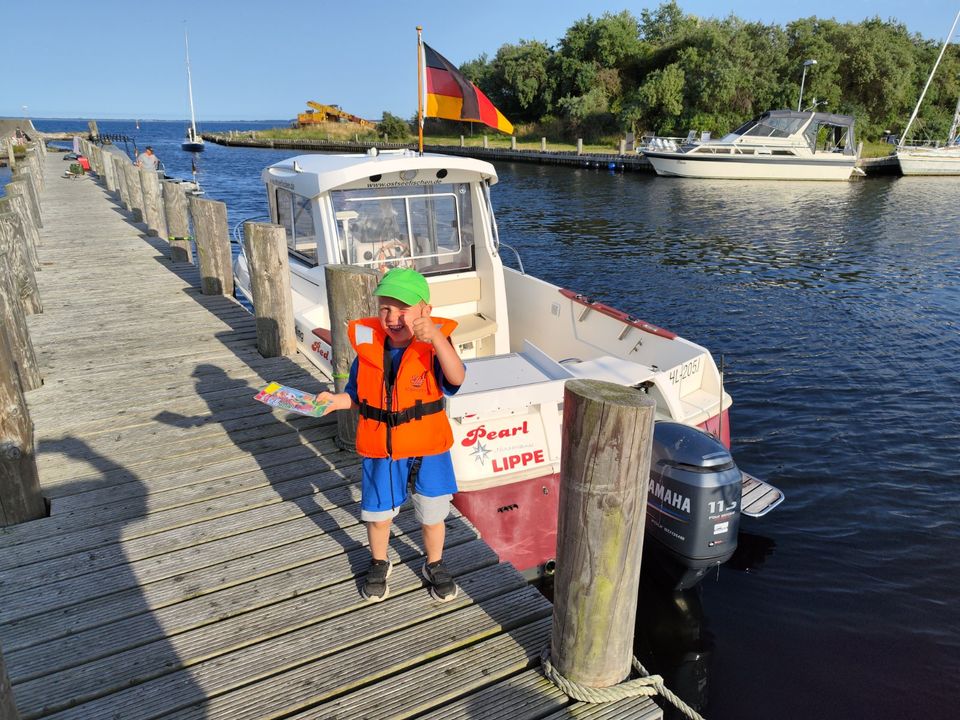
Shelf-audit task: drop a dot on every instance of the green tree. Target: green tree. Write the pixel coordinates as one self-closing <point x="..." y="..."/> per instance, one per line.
<point x="396" y="128"/>
<point x="519" y="83"/>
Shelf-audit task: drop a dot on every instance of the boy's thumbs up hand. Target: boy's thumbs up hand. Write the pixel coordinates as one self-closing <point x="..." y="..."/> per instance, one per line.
<point x="425" y="331"/>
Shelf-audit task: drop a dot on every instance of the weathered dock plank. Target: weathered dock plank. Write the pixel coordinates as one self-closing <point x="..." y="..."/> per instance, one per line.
<point x="205" y="551"/>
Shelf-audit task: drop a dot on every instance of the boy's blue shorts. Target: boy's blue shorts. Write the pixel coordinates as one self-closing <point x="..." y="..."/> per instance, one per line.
<point x="384" y="481"/>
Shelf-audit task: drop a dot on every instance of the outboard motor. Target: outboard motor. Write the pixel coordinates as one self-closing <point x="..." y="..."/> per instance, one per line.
<point x="693" y="503"/>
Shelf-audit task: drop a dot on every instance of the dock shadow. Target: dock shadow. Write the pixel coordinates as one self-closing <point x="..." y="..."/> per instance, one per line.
<point x="57" y="634"/>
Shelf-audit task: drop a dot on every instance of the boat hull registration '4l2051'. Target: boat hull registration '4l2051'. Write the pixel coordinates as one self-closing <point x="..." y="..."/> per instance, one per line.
<point x="520" y="337"/>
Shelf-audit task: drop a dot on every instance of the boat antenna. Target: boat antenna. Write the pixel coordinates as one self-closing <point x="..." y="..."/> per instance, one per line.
<point x="946" y="41"/>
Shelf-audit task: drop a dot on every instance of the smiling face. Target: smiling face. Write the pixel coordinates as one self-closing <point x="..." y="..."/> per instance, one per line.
<point x="396" y="319"/>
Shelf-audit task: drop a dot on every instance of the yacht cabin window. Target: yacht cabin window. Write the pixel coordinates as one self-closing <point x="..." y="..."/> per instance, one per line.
<point x="779" y="127"/>
<point x="428" y="228"/>
<point x="295" y="214"/>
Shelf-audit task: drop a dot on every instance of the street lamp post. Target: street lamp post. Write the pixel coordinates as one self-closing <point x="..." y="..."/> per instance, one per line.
<point x="806" y="64"/>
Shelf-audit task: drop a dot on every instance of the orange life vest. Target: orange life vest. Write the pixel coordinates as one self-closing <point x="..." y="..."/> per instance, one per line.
<point x="409" y="420"/>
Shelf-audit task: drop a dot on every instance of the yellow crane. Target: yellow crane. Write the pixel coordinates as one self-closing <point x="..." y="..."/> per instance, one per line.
<point x="319" y="113"/>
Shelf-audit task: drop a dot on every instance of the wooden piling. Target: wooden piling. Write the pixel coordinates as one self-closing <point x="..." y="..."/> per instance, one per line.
<point x="20" y="498"/>
<point x="15" y="322"/>
<point x="17" y="203"/>
<point x="109" y="171"/>
<point x="349" y="296"/>
<point x="178" y="221"/>
<point x="266" y="249"/>
<point x="8" y="709"/>
<point x="134" y="193"/>
<point x="13" y="243"/>
<point x="118" y="163"/>
<point x="152" y="203"/>
<point x="11" y="156"/>
<point x="213" y="245"/>
<point x="23" y="183"/>
<point x="605" y="468"/>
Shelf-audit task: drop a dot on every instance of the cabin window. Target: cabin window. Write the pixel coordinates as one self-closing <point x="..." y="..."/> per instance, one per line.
<point x="294" y="212"/>
<point x="428" y="228"/>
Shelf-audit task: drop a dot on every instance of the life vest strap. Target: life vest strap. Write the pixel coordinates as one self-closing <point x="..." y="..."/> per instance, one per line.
<point x="399" y="417"/>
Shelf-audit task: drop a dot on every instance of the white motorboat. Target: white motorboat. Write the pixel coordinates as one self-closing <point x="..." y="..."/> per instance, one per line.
<point x="194" y="141"/>
<point x="778" y="145"/>
<point x="932" y="159"/>
<point x="520" y="337"/>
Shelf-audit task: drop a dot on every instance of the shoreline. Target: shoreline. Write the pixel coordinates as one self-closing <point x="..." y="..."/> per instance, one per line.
<point x="634" y="162"/>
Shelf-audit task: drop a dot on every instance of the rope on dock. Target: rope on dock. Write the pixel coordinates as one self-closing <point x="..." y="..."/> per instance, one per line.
<point x="646" y="684"/>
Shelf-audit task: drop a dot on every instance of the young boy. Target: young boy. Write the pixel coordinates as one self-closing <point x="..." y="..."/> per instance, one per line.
<point x="405" y="365"/>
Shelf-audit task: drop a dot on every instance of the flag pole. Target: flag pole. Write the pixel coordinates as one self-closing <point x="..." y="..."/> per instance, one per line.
<point x="420" y="80"/>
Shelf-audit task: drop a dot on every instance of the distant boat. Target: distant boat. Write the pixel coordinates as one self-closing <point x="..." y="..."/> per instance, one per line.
<point x="138" y="124"/>
<point x="194" y="142"/>
<point x="778" y="145"/>
<point x="930" y="159"/>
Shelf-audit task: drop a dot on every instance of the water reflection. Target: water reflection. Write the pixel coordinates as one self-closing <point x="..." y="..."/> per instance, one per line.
<point x="672" y="637"/>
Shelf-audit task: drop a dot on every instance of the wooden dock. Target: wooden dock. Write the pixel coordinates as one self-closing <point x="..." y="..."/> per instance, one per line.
<point x="204" y="552"/>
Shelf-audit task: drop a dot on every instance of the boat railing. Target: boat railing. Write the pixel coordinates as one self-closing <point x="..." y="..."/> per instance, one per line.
<point x="516" y="254"/>
<point x="237" y="233"/>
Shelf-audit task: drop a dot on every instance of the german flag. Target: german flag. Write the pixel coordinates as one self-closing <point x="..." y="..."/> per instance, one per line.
<point x="451" y="96"/>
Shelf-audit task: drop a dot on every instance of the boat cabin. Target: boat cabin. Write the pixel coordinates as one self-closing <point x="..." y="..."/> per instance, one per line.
<point x="397" y="209"/>
<point x="821" y="132"/>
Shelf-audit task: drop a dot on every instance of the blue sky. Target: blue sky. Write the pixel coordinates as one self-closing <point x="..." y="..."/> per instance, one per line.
<point x="256" y="60"/>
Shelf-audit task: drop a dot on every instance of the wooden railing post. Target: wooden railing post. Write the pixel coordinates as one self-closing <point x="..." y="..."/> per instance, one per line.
<point x="152" y="203"/>
<point x="8" y="709"/>
<point x="23" y="184"/>
<point x="604" y="471"/>
<point x="178" y="222"/>
<point x="13" y="241"/>
<point x="266" y="249"/>
<point x="213" y="245"/>
<point x="349" y="297"/>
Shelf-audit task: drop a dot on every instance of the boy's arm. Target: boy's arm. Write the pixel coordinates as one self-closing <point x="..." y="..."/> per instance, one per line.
<point x="450" y="362"/>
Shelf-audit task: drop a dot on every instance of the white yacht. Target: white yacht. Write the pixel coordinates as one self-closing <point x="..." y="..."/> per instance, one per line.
<point x="778" y="145"/>
<point x="932" y="159"/>
<point x="520" y="337"/>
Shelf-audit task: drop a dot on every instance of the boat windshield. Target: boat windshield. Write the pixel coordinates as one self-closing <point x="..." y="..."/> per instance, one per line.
<point x="780" y="127"/>
<point x="426" y="228"/>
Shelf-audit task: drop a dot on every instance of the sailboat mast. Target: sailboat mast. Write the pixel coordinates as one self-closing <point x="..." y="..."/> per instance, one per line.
<point x="946" y="41"/>
<point x="193" y="119"/>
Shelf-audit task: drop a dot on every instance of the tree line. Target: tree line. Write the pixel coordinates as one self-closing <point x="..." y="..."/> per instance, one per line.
<point x="670" y="72"/>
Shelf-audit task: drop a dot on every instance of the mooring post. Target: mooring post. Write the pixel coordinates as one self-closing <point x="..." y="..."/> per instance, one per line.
<point x="109" y="171"/>
<point x="119" y="161"/>
<point x="134" y="193"/>
<point x="349" y="297"/>
<point x="14" y="320"/>
<point x="604" y="471"/>
<point x="13" y="242"/>
<point x="18" y="204"/>
<point x="152" y="203"/>
<point x="213" y="245"/>
<point x="266" y="249"/>
<point x="11" y="156"/>
<point x="8" y="709"/>
<point x="178" y="221"/>
<point x="20" y="498"/>
<point x="22" y="183"/>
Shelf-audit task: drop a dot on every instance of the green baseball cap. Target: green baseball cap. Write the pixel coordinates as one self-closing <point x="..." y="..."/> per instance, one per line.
<point x="404" y="284"/>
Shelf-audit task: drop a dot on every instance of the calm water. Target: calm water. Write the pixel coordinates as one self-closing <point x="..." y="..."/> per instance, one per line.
<point x="835" y="306"/>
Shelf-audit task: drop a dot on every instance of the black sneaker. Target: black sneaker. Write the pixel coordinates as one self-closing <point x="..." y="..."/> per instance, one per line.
<point x="375" y="586"/>
<point x="442" y="586"/>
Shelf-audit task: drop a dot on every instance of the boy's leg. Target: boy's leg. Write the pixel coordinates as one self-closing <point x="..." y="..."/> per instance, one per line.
<point x="431" y="512"/>
<point x="378" y="535"/>
<point x="433" y="537"/>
